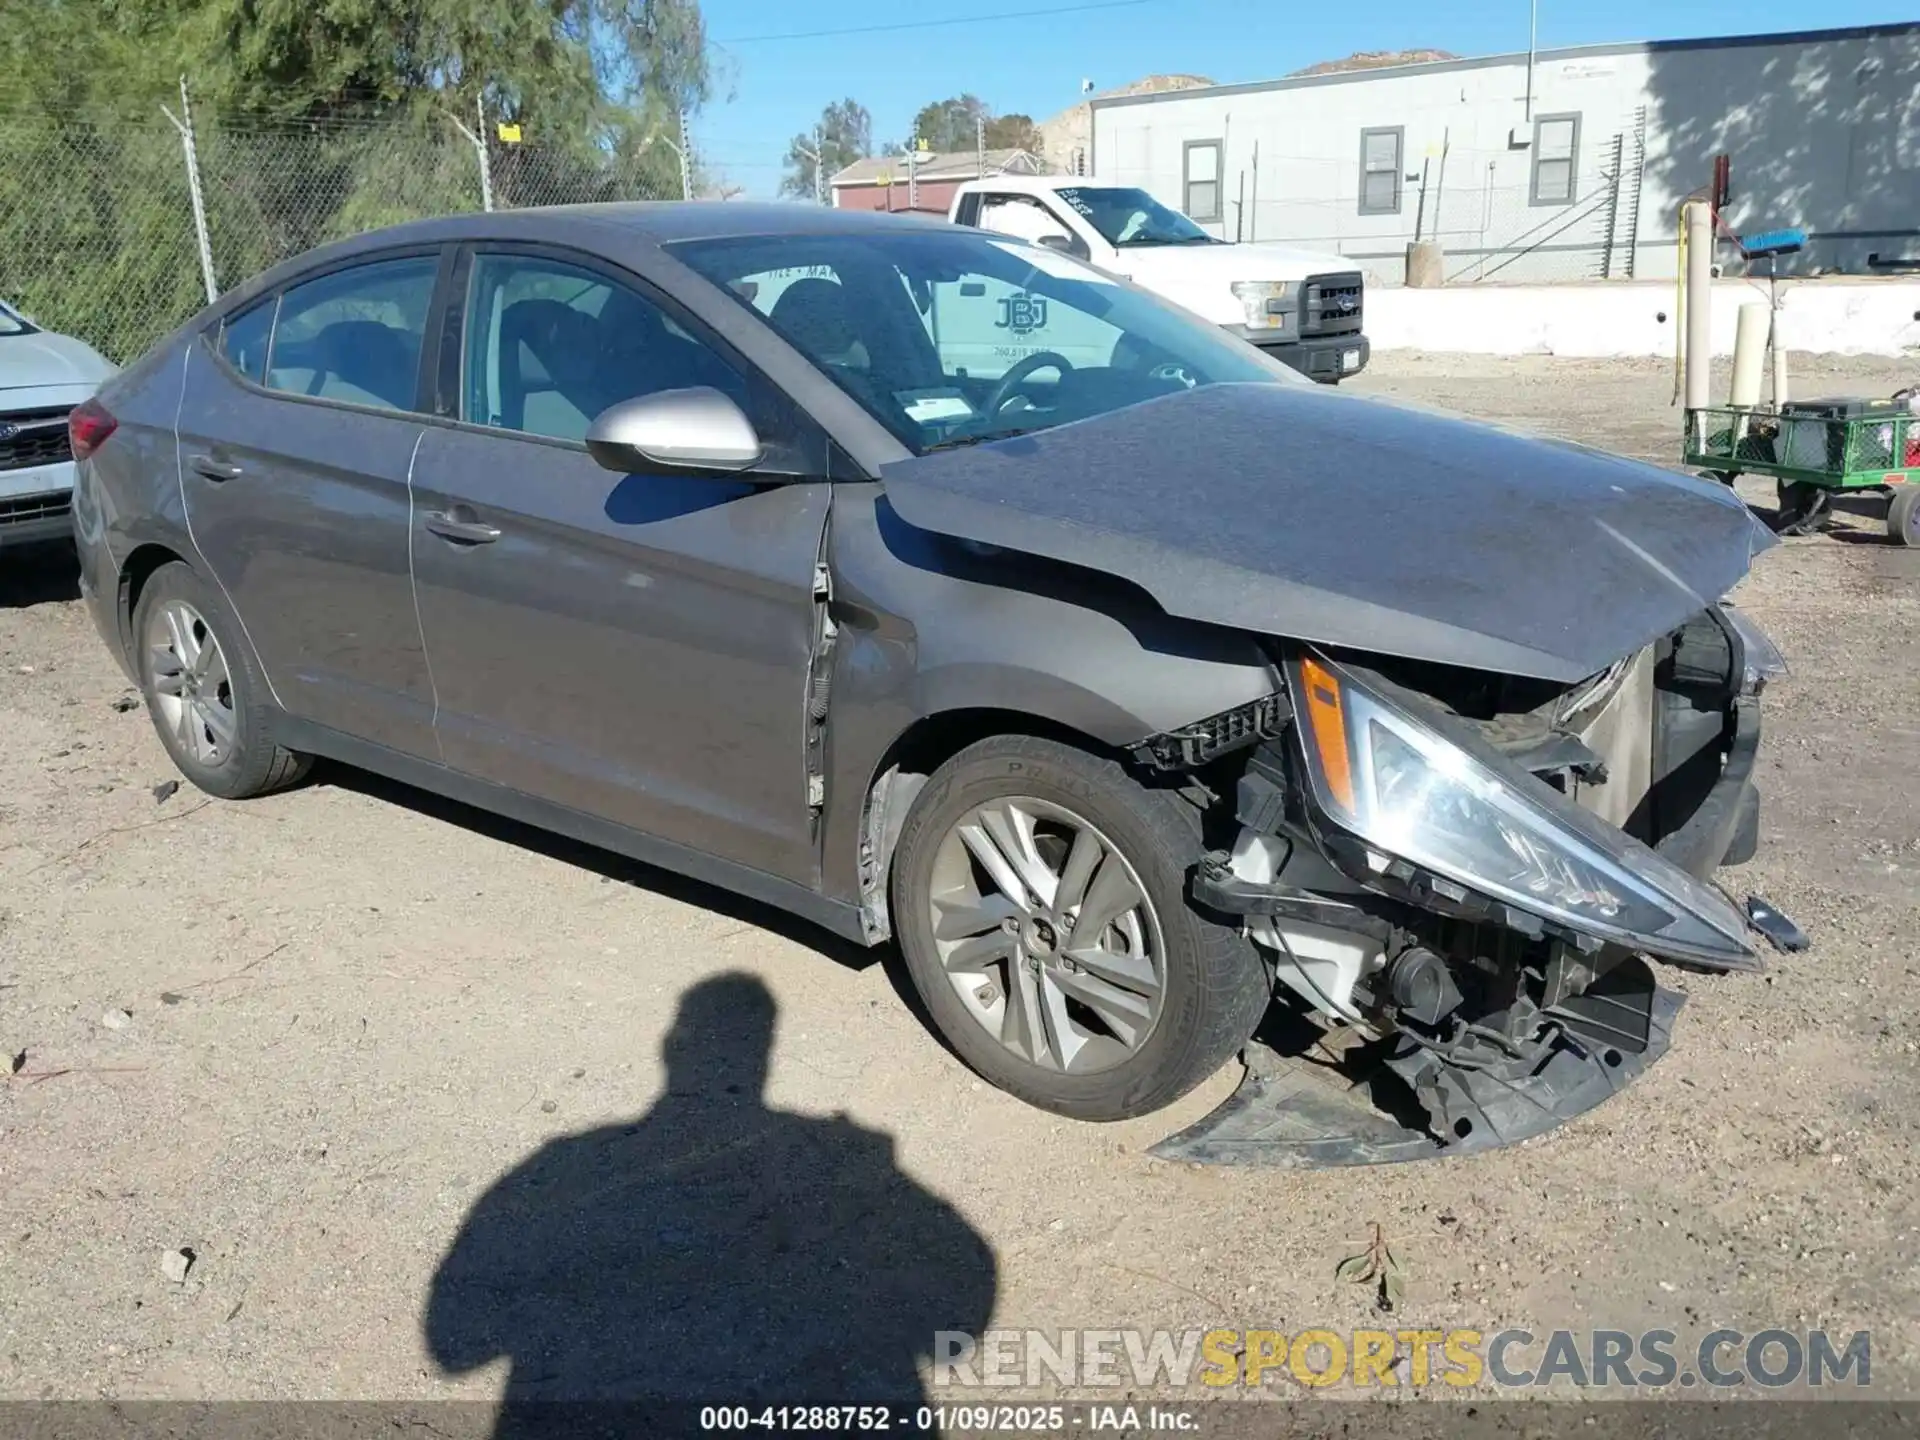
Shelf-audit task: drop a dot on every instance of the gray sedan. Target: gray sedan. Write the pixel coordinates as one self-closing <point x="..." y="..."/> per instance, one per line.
<point x="940" y="588"/>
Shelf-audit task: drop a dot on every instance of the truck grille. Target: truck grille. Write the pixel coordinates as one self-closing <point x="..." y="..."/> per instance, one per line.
<point x="1331" y="305"/>
<point x="33" y="437"/>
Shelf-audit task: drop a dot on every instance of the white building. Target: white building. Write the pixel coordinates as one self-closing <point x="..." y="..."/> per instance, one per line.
<point x="1568" y="166"/>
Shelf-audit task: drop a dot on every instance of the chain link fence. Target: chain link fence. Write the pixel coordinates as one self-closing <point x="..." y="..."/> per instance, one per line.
<point x="99" y="239"/>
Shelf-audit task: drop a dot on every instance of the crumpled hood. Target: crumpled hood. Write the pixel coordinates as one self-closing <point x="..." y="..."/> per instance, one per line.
<point x="1301" y="512"/>
<point x="43" y="358"/>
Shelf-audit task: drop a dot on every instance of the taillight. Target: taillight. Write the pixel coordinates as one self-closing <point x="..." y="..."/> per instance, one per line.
<point x="88" y="428"/>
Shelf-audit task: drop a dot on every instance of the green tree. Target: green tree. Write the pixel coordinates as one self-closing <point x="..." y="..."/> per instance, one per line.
<point x="315" y="119"/>
<point x="843" y="135"/>
<point x="951" y="124"/>
<point x="1013" y="132"/>
<point x="956" y="125"/>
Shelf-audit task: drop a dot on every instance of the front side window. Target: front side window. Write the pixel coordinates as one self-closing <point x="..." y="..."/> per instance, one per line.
<point x="12" y="322"/>
<point x="244" y="337"/>
<point x="550" y="345"/>
<point x="355" y="335"/>
<point x="951" y="337"/>
<point x="1126" y="216"/>
<point x="1556" y="155"/>
<point x="1200" y="186"/>
<point x="1380" y="170"/>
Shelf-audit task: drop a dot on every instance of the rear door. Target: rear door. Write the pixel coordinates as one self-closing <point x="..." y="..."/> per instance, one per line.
<point x="631" y="647"/>
<point x="296" y="434"/>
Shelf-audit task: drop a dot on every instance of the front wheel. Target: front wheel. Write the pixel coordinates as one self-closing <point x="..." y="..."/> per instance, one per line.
<point x="1039" y="894"/>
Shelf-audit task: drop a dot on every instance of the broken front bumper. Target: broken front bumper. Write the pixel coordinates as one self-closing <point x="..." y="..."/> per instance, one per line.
<point x="1297" y="1113"/>
<point x="1401" y="1097"/>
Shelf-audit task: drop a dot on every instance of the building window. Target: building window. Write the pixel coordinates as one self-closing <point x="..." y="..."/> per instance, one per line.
<point x="1380" y="170"/>
<point x="1556" y="158"/>
<point x="1200" y="185"/>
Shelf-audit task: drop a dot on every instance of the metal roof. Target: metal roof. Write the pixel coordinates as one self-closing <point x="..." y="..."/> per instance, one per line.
<point x="938" y="165"/>
<point x="1571" y="52"/>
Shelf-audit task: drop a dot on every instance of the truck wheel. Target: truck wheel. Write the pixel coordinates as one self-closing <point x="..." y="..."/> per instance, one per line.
<point x="1903" y="515"/>
<point x="1039" y="894"/>
<point x="208" y="703"/>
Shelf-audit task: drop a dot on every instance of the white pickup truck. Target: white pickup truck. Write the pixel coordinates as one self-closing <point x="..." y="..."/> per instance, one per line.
<point x="1302" y="307"/>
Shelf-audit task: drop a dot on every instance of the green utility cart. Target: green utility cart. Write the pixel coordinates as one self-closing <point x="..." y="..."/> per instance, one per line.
<point x="1816" y="449"/>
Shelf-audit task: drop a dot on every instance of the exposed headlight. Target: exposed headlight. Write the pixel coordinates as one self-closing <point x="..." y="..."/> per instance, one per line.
<point x="1408" y="791"/>
<point x="1266" y="302"/>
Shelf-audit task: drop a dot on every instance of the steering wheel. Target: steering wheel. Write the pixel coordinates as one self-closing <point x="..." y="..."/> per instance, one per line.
<point x="1020" y="372"/>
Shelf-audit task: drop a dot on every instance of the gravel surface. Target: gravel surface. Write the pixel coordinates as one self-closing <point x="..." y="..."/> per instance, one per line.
<point x="353" y="1093"/>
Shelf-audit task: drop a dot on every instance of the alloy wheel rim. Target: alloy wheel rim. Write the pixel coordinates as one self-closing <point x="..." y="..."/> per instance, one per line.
<point x="1046" y="934"/>
<point x="192" y="688"/>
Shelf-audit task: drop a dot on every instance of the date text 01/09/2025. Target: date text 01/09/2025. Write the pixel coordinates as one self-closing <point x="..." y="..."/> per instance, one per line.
<point x="938" y="1419"/>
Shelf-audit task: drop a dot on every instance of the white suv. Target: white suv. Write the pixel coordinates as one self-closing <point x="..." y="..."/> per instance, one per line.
<point x="42" y="377"/>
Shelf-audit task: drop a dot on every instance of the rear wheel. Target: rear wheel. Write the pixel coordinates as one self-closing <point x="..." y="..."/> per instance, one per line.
<point x="1903" y="515"/>
<point x="1039" y="894"/>
<point x="207" y="701"/>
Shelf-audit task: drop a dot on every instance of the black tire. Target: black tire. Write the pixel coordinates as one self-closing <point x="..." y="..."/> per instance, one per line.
<point x="1215" y="985"/>
<point x="1903" y="515"/>
<point x="253" y="763"/>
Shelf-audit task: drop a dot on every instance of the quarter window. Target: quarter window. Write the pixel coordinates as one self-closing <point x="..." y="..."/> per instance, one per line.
<point x="551" y="345"/>
<point x="1200" y="184"/>
<point x="1556" y="156"/>
<point x="1380" y="169"/>
<point x="244" y="337"/>
<point x="355" y="335"/>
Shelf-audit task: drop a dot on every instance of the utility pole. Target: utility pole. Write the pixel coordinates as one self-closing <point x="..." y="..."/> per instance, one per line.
<point x="819" y="167"/>
<point x="980" y="145"/>
<point x="686" y="173"/>
<point x="479" y="142"/>
<point x="913" y="174"/>
<point x="184" y="124"/>
<point x="1533" y="40"/>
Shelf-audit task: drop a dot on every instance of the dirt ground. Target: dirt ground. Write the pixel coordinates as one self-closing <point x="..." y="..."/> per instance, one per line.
<point x="351" y="1010"/>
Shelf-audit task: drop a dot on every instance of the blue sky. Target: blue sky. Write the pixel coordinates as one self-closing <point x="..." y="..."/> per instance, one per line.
<point x="1035" y="63"/>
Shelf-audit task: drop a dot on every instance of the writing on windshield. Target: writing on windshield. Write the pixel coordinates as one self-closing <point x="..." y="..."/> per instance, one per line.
<point x="1126" y="216"/>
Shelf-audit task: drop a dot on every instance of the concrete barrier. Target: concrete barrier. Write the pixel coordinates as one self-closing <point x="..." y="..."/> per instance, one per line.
<point x="1864" y="317"/>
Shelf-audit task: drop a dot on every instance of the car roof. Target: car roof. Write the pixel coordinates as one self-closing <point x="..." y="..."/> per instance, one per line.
<point x="662" y="222"/>
<point x="643" y="223"/>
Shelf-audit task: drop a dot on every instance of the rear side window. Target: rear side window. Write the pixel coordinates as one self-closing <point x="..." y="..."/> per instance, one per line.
<point x="355" y="335"/>
<point x="243" y="340"/>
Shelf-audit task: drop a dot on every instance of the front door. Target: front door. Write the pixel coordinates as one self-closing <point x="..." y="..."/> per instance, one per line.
<point x="295" y="438"/>
<point x="632" y="647"/>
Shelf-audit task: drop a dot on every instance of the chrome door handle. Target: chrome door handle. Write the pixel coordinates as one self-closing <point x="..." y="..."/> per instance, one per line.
<point x="461" y="532"/>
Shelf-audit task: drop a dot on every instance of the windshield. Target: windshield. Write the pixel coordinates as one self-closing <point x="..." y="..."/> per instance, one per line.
<point x="12" y="322"/>
<point x="1133" y="217"/>
<point x="950" y="338"/>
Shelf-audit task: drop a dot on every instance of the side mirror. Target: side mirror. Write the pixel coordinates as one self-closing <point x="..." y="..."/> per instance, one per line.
<point x="1062" y="243"/>
<point x="694" y="429"/>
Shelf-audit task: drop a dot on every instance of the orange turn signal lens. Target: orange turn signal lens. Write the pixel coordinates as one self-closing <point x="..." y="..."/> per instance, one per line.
<point x="1327" y="724"/>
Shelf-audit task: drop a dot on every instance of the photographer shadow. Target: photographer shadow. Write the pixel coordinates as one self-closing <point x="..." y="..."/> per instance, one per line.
<point x="711" y="1251"/>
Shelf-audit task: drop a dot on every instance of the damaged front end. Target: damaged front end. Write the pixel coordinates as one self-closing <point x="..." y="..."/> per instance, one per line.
<point x="1460" y="879"/>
